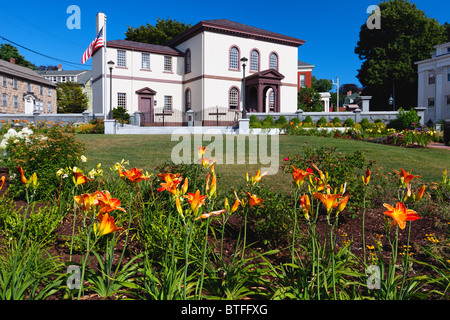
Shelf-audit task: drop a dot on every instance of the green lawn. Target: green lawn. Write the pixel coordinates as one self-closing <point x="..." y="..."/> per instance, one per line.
<point x="147" y="151"/>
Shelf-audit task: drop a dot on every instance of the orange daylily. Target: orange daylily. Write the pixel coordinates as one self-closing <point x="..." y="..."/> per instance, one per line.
<point x="207" y="162"/>
<point x="22" y="176"/>
<point x="2" y="182"/>
<point x="80" y="178"/>
<point x="196" y="200"/>
<point x="256" y="178"/>
<point x="106" y="225"/>
<point x="200" y="151"/>
<point x="210" y="214"/>
<point x="253" y="200"/>
<point x="134" y="175"/>
<point x="106" y="203"/>
<point x="171" y="182"/>
<point x="400" y="214"/>
<point x="299" y="175"/>
<point x="341" y="204"/>
<point x="211" y="190"/>
<point x="306" y="205"/>
<point x="329" y="200"/>
<point x="419" y="194"/>
<point x="86" y="200"/>
<point x="405" y="176"/>
<point x="366" y="179"/>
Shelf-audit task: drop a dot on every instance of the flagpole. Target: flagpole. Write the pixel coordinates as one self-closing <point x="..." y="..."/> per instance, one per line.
<point x="104" y="70"/>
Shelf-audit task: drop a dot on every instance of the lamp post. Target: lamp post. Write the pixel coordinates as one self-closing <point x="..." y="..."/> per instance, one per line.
<point x="244" y="107"/>
<point x="337" y="92"/>
<point x="111" y="66"/>
<point x="391" y="100"/>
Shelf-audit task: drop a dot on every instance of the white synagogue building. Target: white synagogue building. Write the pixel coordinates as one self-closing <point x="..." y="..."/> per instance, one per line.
<point x="199" y="70"/>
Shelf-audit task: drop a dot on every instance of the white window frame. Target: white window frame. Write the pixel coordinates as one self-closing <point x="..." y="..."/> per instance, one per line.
<point x="49" y="107"/>
<point x="4" y="81"/>
<point x="254" y="61"/>
<point x="233" y="59"/>
<point x="121" y="58"/>
<point x="122" y="99"/>
<point x="15" y="83"/>
<point x="167" y="64"/>
<point x="273" y="61"/>
<point x="233" y="99"/>
<point x="431" y="78"/>
<point x="4" y="100"/>
<point x="168" y="103"/>
<point x="431" y="103"/>
<point x="16" y="102"/>
<point x="302" y="80"/>
<point x="145" y="61"/>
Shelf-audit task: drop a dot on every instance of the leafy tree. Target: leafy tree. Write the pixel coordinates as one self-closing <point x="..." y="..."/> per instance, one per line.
<point x="309" y="100"/>
<point x="164" y="31"/>
<point x="321" y="85"/>
<point x="406" y="35"/>
<point x="70" y="98"/>
<point x="8" y="51"/>
<point x="346" y="87"/>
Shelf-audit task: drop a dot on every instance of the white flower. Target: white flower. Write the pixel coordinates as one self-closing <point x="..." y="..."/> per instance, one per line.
<point x="83" y="158"/>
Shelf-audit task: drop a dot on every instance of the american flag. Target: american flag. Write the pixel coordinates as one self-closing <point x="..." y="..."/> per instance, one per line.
<point x="97" y="43"/>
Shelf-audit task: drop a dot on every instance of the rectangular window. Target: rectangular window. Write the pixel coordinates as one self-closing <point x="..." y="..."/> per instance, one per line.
<point x="168" y="103"/>
<point x="302" y="81"/>
<point x="49" y="92"/>
<point x="122" y="99"/>
<point x="15" y="101"/>
<point x="431" y="78"/>
<point x="72" y="78"/>
<point x="41" y="89"/>
<point x="121" y="58"/>
<point x="54" y="79"/>
<point x="448" y="73"/>
<point x="49" y="107"/>
<point x="4" y="100"/>
<point x="15" y="83"/>
<point x="167" y="64"/>
<point x="430" y="103"/>
<point x="145" y="61"/>
<point x="63" y="78"/>
<point x="28" y="87"/>
<point x="4" y="81"/>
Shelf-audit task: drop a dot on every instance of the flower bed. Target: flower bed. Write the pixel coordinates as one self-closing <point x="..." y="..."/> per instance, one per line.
<point x="347" y="231"/>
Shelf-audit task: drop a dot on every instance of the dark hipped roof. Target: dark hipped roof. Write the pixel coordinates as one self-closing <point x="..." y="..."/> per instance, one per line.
<point x="144" y="47"/>
<point x="22" y="72"/>
<point x="238" y="29"/>
<point x="83" y="76"/>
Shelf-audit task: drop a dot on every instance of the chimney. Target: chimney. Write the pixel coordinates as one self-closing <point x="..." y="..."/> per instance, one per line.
<point x="12" y="60"/>
<point x="59" y="67"/>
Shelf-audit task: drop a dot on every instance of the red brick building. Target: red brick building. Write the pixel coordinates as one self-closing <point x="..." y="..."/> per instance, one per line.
<point x="304" y="73"/>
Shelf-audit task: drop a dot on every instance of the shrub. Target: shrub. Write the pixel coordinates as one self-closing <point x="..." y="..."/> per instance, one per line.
<point x="120" y="113"/>
<point x="295" y="121"/>
<point x="336" y="121"/>
<point x="268" y="121"/>
<point x="281" y="121"/>
<point x="321" y="122"/>
<point x="308" y="120"/>
<point x="40" y="154"/>
<point x="349" y="122"/>
<point x="365" y="123"/>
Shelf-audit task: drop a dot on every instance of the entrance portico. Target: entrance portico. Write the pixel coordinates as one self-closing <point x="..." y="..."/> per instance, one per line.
<point x="263" y="91"/>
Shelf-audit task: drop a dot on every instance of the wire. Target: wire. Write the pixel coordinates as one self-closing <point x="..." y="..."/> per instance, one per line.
<point x="47" y="56"/>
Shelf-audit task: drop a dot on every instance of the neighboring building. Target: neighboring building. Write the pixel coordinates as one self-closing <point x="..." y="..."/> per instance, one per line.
<point x="201" y="70"/>
<point x="434" y="84"/>
<point x="23" y="90"/>
<point x="82" y="77"/>
<point x="304" y="73"/>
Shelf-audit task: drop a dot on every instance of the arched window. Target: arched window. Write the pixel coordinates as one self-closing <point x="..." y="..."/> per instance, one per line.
<point x="273" y="61"/>
<point x="254" y="61"/>
<point x="234" y="58"/>
<point x="234" y="98"/>
<point x="187" y="61"/>
<point x="187" y="99"/>
<point x="271" y="101"/>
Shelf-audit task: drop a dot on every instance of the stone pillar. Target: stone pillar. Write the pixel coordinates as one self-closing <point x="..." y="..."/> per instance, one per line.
<point x="85" y="116"/>
<point x="36" y="115"/>
<point x="299" y="114"/>
<point x="421" y="113"/>
<point x="110" y="126"/>
<point x="244" y="126"/>
<point x="358" y="115"/>
<point x="190" y="118"/>
<point x="137" y="118"/>
<point x="365" y="103"/>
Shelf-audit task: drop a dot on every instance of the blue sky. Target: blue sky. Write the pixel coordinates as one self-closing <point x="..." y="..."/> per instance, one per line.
<point x="330" y="28"/>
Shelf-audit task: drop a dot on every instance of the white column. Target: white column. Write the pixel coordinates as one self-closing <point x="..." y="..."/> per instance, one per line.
<point x="438" y="105"/>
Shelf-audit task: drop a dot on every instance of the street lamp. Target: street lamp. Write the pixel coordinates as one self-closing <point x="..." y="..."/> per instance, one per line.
<point x="337" y="92"/>
<point x="244" y="107"/>
<point x="111" y="66"/>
